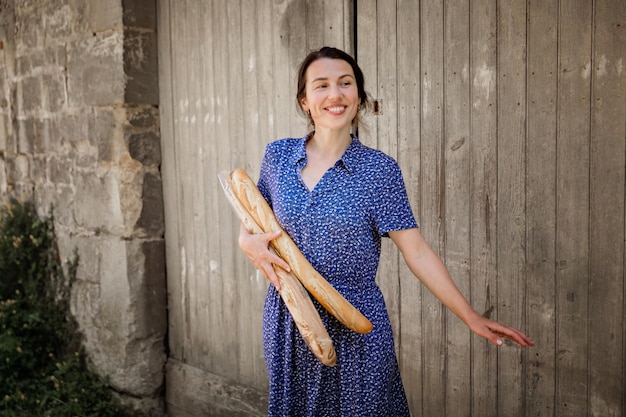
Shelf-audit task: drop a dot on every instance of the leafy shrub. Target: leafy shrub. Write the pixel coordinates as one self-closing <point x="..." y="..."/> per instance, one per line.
<point x="42" y="366"/>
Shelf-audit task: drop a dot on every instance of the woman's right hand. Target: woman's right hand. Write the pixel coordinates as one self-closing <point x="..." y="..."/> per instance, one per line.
<point x="256" y="248"/>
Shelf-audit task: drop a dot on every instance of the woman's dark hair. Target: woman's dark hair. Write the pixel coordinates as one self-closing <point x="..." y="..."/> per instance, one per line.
<point x="332" y="53"/>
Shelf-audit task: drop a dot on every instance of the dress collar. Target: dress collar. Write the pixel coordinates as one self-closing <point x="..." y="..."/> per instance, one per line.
<point x="348" y="160"/>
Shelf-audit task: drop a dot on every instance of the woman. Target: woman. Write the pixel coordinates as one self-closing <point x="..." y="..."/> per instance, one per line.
<point x="337" y="198"/>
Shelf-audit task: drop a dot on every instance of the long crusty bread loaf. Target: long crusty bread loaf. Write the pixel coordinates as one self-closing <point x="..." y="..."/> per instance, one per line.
<point x="292" y="292"/>
<point x="250" y="197"/>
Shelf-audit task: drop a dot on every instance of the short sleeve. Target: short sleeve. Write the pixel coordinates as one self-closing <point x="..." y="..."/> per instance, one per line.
<point x="392" y="209"/>
<point x="264" y="176"/>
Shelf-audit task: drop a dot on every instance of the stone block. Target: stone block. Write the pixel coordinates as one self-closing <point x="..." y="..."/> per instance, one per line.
<point x="3" y="177"/>
<point x="89" y="252"/>
<point x="18" y="169"/>
<point x="124" y="317"/>
<point x="63" y="203"/>
<point x="110" y="201"/>
<point x="25" y="135"/>
<point x="96" y="70"/>
<point x="64" y="18"/>
<point x="130" y="174"/>
<point x="145" y="147"/>
<point x="22" y="65"/>
<point x="140" y="66"/>
<point x="106" y="133"/>
<point x="146" y="264"/>
<point x="28" y="27"/>
<point x="38" y="169"/>
<point x="104" y="15"/>
<point x="4" y="131"/>
<point x="70" y="127"/>
<point x="55" y="57"/>
<point x="41" y="144"/>
<point x="143" y="117"/>
<point x="61" y="170"/>
<point x="29" y="95"/>
<point x="55" y="96"/>
<point x="47" y="196"/>
<point x="22" y="190"/>
<point x="33" y="135"/>
<point x="151" y="221"/>
<point x="86" y="155"/>
<point x="97" y="205"/>
<point x="140" y="13"/>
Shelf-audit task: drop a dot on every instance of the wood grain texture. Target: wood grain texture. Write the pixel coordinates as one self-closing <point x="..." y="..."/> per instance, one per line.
<point x="431" y="215"/>
<point x="483" y="198"/>
<point x="508" y="121"/>
<point x="541" y="204"/>
<point x="511" y="195"/>
<point x="572" y="215"/>
<point x="607" y="173"/>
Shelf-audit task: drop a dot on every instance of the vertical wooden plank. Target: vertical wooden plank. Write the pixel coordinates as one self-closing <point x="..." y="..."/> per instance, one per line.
<point x="169" y="174"/>
<point x="280" y="114"/>
<point x="181" y="131"/>
<point x="208" y="322"/>
<point x="349" y="28"/>
<point x="367" y="57"/>
<point x="201" y="158"/>
<point x="511" y="194"/>
<point x="457" y="197"/>
<point x="334" y="21"/>
<point x="290" y="48"/>
<point x="315" y="18"/>
<point x="408" y="69"/>
<point x="262" y="132"/>
<point x="483" y="191"/>
<point x="572" y="216"/>
<point x="193" y="169"/>
<point x="387" y="141"/>
<point x="236" y="288"/>
<point x="221" y="353"/>
<point x="606" y="244"/>
<point x="254" y="25"/>
<point x="541" y="206"/>
<point x="432" y="194"/>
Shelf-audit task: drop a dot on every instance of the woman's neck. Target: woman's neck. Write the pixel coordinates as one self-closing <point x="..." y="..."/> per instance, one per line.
<point x="329" y="144"/>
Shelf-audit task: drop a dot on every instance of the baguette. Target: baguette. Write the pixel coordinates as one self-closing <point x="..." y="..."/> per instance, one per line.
<point x="292" y="292"/>
<point x="248" y="194"/>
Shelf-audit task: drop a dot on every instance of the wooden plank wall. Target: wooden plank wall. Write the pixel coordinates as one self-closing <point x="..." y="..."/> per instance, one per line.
<point x="227" y="81"/>
<point x="508" y="119"/>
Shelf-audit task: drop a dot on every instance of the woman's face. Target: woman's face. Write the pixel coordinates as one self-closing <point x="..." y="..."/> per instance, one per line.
<point x="332" y="95"/>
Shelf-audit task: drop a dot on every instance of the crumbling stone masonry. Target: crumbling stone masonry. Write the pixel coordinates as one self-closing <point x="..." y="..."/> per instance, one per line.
<point x="79" y="129"/>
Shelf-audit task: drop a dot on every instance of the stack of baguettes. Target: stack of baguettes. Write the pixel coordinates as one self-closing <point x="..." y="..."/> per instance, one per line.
<point x="258" y="217"/>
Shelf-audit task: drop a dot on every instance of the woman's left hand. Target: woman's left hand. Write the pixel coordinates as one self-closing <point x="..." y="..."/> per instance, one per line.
<point x="495" y="332"/>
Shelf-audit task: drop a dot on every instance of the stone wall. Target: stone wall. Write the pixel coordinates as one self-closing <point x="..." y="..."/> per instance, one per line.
<point x="79" y="130"/>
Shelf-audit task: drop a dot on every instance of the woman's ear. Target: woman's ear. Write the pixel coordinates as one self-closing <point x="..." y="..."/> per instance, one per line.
<point x="303" y="105"/>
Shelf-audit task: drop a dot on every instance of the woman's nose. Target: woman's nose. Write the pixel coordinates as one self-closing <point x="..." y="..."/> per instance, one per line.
<point x="334" y="91"/>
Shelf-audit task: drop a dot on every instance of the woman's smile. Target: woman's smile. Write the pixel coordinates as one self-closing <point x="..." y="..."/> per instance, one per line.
<point x="332" y="96"/>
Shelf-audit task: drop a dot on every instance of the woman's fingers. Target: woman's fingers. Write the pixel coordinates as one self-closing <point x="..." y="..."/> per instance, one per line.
<point x="510" y="333"/>
<point x="495" y="332"/>
<point x="256" y="248"/>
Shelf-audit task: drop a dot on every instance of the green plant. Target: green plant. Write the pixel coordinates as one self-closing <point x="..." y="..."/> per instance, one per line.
<point x="42" y="366"/>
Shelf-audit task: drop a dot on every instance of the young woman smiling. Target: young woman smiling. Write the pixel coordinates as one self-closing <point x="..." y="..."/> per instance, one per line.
<point x="337" y="199"/>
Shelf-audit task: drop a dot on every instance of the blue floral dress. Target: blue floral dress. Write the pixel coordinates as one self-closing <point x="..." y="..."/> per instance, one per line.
<point x="338" y="226"/>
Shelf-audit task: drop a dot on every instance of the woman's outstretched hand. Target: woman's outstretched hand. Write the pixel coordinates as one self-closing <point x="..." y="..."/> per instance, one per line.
<point x="495" y="332"/>
<point x="256" y="248"/>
